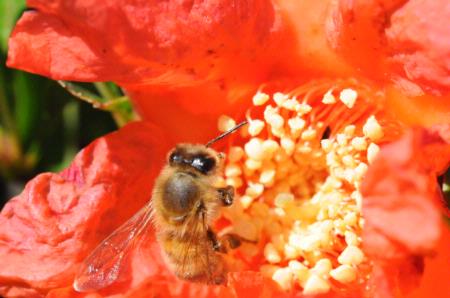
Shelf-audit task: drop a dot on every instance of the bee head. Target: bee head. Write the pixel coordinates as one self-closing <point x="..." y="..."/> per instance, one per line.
<point x="197" y="157"/>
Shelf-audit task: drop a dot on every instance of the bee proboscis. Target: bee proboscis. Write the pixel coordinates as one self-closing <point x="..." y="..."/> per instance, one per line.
<point x="184" y="203"/>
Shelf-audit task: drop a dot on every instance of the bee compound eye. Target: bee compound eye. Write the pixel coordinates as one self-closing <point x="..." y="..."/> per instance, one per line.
<point x="203" y="163"/>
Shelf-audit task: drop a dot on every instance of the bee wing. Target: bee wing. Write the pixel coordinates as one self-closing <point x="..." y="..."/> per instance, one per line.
<point x="197" y="251"/>
<point x="101" y="268"/>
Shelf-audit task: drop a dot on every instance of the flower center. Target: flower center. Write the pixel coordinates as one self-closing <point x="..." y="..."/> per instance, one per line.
<point x="297" y="178"/>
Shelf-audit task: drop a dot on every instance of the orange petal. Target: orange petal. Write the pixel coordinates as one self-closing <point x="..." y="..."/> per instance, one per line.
<point x="355" y="31"/>
<point x="394" y="40"/>
<point x="152" y="41"/>
<point x="414" y="108"/>
<point x="49" y="228"/>
<point x="199" y="106"/>
<point x="437" y="271"/>
<point x="420" y="45"/>
<point x="400" y="206"/>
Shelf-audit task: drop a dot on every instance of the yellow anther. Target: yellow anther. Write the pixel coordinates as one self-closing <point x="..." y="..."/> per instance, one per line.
<point x="280" y="98"/>
<point x="372" y="129"/>
<point x="303" y="108"/>
<point x="372" y="152"/>
<point x="283" y="277"/>
<point x="296" y="125"/>
<point x="348" y="97"/>
<point x="267" y="177"/>
<point x="271" y="254"/>
<point x="316" y="285"/>
<point x="288" y="145"/>
<point x="254" y="189"/>
<point x="254" y="149"/>
<point x="260" y="98"/>
<point x="226" y="123"/>
<point x="328" y="98"/>
<point x="235" y="154"/>
<point x="322" y="267"/>
<point x="283" y="200"/>
<point x="343" y="274"/>
<point x="309" y="134"/>
<point x="232" y="170"/>
<point x="359" y="143"/>
<point x="351" y="255"/>
<point x="255" y="127"/>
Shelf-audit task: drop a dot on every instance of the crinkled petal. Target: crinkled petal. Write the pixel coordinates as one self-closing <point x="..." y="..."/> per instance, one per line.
<point x="436" y="271"/>
<point x="355" y="31"/>
<point x="169" y="42"/>
<point x="403" y="41"/>
<point x="419" y="38"/>
<point x="50" y="227"/>
<point x="44" y="44"/>
<point x="401" y="208"/>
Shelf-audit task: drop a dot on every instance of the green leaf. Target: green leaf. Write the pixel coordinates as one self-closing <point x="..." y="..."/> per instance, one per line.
<point x="27" y="91"/>
<point x="9" y="13"/>
<point x="111" y="99"/>
<point x="82" y="93"/>
<point x="6" y="119"/>
<point x="446" y="188"/>
<point x="71" y="124"/>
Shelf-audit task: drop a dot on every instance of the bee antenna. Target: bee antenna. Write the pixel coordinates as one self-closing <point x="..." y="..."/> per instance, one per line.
<point x="226" y="133"/>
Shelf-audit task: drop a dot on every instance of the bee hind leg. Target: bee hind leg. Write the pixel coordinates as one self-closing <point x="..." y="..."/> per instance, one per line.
<point x="226" y="195"/>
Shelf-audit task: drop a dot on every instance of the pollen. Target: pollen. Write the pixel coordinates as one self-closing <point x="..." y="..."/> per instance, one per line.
<point x="299" y="198"/>
<point x="226" y="123"/>
<point x="372" y="129"/>
<point x="351" y="255"/>
<point x="316" y="285"/>
<point x="328" y="98"/>
<point x="260" y="98"/>
<point x="255" y="127"/>
<point x="344" y="274"/>
<point x="348" y="97"/>
<point x="372" y="152"/>
<point x="271" y="254"/>
<point x="235" y="154"/>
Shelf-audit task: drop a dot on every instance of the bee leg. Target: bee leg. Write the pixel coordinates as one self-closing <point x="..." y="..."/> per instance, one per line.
<point x="226" y="242"/>
<point x="226" y="195"/>
<point x="217" y="246"/>
<point x="232" y="240"/>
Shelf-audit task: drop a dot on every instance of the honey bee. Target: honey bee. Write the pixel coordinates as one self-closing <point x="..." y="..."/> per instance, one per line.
<point x="185" y="201"/>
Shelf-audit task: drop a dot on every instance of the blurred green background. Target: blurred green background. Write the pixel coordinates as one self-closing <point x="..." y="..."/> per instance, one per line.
<point x="42" y="125"/>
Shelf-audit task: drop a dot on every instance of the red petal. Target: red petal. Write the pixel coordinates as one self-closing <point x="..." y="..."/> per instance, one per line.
<point x="437" y="271"/>
<point x="48" y="229"/>
<point x="424" y="110"/>
<point x="418" y="36"/>
<point x="198" y="106"/>
<point x="176" y="42"/>
<point x="355" y="31"/>
<point x="400" y="206"/>
<point x="45" y="45"/>
<point x="395" y="40"/>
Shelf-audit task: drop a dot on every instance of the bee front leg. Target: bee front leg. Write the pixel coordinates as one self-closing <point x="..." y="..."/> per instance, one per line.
<point x="226" y="195"/>
<point x="226" y="242"/>
<point x="216" y="245"/>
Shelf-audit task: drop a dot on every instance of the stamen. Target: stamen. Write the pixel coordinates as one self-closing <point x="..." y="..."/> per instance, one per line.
<point x="300" y="187"/>
<point x="348" y="97"/>
<point x="226" y="123"/>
